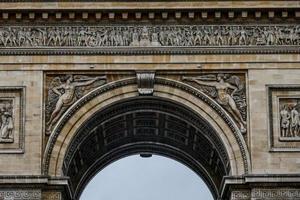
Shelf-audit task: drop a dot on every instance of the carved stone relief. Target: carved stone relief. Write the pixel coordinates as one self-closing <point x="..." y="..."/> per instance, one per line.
<point x="64" y="90"/>
<point x="145" y="82"/>
<point x="289" y="118"/>
<point x="51" y="196"/>
<point x="12" y="105"/>
<point x="43" y="37"/>
<point x="228" y="90"/>
<point x="275" y="194"/>
<point x="6" y="121"/>
<point x="241" y="195"/>
<point x="20" y="194"/>
<point x="284" y="117"/>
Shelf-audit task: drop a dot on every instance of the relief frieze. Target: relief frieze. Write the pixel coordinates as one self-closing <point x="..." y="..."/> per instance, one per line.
<point x="29" y="194"/>
<point x="12" y="119"/>
<point x="115" y="38"/>
<point x="284" y="117"/>
<point x="289" y="118"/>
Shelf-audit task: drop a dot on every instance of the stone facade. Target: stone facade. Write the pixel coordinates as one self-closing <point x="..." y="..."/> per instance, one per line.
<point x="225" y="92"/>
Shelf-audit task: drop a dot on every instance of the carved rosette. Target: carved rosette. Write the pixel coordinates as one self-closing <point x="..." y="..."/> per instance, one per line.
<point x="29" y="194"/>
<point x="241" y="195"/>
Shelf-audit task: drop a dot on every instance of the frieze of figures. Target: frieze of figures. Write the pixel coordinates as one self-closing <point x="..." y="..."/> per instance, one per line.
<point x="149" y="36"/>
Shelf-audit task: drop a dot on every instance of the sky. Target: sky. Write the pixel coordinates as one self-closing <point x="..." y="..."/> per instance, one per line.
<point x="154" y="178"/>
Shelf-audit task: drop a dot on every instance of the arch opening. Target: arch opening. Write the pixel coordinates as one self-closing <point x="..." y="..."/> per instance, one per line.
<point x="146" y="125"/>
<point x="155" y="177"/>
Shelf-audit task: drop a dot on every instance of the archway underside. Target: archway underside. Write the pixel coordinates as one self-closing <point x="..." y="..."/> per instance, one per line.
<point x="146" y="124"/>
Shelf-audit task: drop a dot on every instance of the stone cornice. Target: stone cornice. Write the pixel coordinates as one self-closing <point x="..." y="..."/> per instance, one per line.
<point x="145" y="10"/>
<point x="142" y="4"/>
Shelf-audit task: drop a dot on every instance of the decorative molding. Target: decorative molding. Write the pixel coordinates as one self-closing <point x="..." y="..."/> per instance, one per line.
<point x="149" y="39"/>
<point x="275" y="194"/>
<point x="21" y="194"/>
<point x="145" y="81"/>
<point x="281" y="101"/>
<point x="12" y="119"/>
<point x="51" y="196"/>
<point x="110" y="86"/>
<point x="241" y="195"/>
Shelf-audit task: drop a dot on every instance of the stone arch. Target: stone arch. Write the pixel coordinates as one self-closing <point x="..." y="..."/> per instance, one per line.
<point x="225" y="134"/>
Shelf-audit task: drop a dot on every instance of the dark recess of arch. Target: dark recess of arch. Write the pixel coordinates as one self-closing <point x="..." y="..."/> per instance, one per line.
<point x="146" y="124"/>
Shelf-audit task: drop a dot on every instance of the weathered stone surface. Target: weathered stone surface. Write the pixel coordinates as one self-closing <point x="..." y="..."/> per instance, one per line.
<point x="236" y="114"/>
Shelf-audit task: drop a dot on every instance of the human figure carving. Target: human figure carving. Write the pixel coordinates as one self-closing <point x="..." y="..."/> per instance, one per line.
<point x="66" y="95"/>
<point x="135" y="38"/>
<point x="223" y="95"/>
<point x="86" y="36"/>
<point x="284" y="121"/>
<point x="294" y="122"/>
<point x="6" y="123"/>
<point x="145" y="38"/>
<point x="242" y="37"/>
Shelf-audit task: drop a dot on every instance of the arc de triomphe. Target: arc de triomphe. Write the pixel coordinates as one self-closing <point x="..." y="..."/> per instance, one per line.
<point x="212" y="84"/>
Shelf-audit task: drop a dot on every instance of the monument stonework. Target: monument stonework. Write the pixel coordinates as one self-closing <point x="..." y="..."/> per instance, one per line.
<point x="212" y="84"/>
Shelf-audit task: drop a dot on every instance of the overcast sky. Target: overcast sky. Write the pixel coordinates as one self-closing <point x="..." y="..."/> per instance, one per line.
<point x="155" y="178"/>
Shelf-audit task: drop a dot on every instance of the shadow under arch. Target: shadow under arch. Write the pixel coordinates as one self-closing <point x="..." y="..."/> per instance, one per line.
<point x="146" y="124"/>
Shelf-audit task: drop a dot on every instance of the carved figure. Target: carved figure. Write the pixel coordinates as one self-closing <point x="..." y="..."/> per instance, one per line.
<point x="135" y="38"/>
<point x="154" y="39"/>
<point x="145" y="39"/>
<point x="290" y="118"/>
<point x="6" y="123"/>
<point x="284" y="121"/>
<point x="207" y="40"/>
<point x="294" y="129"/>
<point x="231" y="36"/>
<point x="219" y="38"/>
<point x="242" y="38"/>
<point x="223" y="95"/>
<point x="66" y="94"/>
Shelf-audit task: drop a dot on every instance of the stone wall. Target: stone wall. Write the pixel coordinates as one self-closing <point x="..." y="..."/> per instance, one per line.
<point x="259" y="63"/>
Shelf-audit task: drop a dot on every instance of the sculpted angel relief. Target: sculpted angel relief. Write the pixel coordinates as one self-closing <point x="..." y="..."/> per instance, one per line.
<point x="228" y="91"/>
<point x="64" y="91"/>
